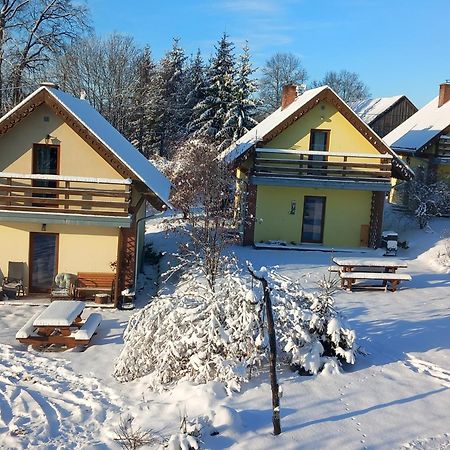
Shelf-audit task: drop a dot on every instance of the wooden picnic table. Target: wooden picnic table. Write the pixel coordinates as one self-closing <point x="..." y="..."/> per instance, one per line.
<point x="364" y="269"/>
<point x="386" y="265"/>
<point x="60" y="323"/>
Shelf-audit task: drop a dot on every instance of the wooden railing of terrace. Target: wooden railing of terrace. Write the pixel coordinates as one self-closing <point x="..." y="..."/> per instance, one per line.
<point x="310" y="164"/>
<point x="66" y="195"/>
<point x="443" y="149"/>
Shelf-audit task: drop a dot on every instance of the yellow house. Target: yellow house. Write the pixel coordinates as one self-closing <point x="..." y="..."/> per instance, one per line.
<point x="423" y="140"/>
<point x="72" y="192"/>
<point x="313" y="173"/>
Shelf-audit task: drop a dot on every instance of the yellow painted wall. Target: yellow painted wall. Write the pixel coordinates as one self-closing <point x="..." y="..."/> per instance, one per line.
<point x="345" y="212"/>
<point x="324" y="116"/>
<point x="81" y="248"/>
<point x="77" y="158"/>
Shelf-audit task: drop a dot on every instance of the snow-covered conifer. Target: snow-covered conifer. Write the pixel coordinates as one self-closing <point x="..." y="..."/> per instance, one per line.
<point x="213" y="110"/>
<point x="240" y="116"/>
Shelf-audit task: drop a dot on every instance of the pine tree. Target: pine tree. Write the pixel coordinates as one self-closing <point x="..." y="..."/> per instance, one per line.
<point x="195" y="89"/>
<point x="240" y="117"/>
<point x="174" y="114"/>
<point x="144" y="117"/>
<point x="213" y="110"/>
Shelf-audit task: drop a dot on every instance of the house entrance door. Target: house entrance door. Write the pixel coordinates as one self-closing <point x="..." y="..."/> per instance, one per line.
<point x="313" y="219"/>
<point x="43" y="261"/>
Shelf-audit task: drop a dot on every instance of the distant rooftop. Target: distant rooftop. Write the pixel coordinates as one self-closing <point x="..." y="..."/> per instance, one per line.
<point x="370" y="109"/>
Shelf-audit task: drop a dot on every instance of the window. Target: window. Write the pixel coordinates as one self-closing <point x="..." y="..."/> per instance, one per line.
<point x="313" y="219"/>
<point x="45" y="162"/>
<point x="319" y="142"/>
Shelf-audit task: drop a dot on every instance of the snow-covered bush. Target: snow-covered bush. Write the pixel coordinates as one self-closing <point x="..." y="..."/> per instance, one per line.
<point x="194" y="334"/>
<point x="201" y="334"/>
<point x="427" y="200"/>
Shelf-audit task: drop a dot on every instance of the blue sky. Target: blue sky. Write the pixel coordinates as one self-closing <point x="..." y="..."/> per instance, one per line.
<point x="397" y="46"/>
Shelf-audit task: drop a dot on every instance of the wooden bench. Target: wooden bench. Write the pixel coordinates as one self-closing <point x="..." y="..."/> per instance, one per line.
<point x="84" y="334"/>
<point x="91" y="283"/>
<point x="349" y="278"/>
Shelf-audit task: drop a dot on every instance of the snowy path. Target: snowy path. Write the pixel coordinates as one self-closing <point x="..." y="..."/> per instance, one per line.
<point x="44" y="404"/>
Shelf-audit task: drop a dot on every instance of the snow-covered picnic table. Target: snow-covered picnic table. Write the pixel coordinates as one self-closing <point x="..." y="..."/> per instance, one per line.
<point x="60" y="323"/>
<point x="382" y="269"/>
<point x="59" y="313"/>
<point x="389" y="265"/>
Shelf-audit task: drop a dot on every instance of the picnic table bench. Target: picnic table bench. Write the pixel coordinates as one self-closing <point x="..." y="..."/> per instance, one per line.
<point x="355" y="269"/>
<point x="91" y="283"/>
<point x="60" y="323"/>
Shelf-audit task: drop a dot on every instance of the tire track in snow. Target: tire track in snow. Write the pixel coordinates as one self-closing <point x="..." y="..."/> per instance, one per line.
<point x="44" y="404"/>
<point x="433" y="370"/>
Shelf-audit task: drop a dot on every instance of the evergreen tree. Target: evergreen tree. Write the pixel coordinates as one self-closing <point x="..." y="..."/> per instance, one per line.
<point x="213" y="110"/>
<point x="240" y="117"/>
<point x="174" y="114"/>
<point x="146" y="99"/>
<point x="195" y="89"/>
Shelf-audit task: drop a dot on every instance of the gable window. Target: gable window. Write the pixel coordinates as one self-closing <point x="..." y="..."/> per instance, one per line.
<point x="319" y="142"/>
<point x="45" y="162"/>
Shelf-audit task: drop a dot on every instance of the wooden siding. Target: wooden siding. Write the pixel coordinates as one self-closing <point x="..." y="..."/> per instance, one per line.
<point x="393" y="117"/>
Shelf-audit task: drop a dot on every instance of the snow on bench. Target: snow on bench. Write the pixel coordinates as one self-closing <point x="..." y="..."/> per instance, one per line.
<point x="27" y="330"/>
<point x="376" y="276"/>
<point x="348" y="278"/>
<point x="86" y="332"/>
<point x="334" y="269"/>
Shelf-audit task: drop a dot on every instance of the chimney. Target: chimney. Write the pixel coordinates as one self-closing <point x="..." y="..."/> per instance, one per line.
<point x="289" y="95"/>
<point x="49" y="84"/>
<point x="444" y="93"/>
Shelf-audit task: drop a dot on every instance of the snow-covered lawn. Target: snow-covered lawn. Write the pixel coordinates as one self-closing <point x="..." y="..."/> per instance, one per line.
<point x="397" y="396"/>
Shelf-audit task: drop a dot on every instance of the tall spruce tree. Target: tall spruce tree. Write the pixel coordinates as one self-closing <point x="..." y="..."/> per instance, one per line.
<point x="146" y="99"/>
<point x="213" y="110"/>
<point x="195" y="89"/>
<point x="240" y="116"/>
<point x="174" y="116"/>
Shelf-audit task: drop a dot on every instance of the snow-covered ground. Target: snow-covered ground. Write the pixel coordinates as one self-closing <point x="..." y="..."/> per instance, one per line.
<point x="395" y="397"/>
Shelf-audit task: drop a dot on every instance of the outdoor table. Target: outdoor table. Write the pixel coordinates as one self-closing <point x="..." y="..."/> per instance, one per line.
<point x="388" y="265"/>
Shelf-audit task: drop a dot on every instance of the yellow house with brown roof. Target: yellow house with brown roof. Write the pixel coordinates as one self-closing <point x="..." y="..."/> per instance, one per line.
<point x="72" y="192"/>
<point x="313" y="173"/>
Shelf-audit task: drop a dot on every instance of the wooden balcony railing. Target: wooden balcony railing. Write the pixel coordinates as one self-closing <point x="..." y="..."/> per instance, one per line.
<point x="443" y="149"/>
<point x="308" y="164"/>
<point x="67" y="195"/>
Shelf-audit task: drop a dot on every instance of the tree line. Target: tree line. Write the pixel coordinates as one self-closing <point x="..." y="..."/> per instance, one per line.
<point x="155" y="104"/>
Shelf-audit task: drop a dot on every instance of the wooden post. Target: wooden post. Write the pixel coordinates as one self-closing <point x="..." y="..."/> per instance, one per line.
<point x="272" y="354"/>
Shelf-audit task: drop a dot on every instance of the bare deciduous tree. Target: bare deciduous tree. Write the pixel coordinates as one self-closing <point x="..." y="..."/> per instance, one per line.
<point x="348" y="85"/>
<point x="202" y="190"/>
<point x="279" y="69"/>
<point x="107" y="71"/>
<point x="45" y="28"/>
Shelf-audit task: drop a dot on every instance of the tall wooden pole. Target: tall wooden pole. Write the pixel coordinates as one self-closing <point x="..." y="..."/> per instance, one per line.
<point x="272" y="355"/>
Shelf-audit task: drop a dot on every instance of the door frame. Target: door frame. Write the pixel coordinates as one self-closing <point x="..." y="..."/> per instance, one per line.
<point x="323" y="219"/>
<point x="30" y="259"/>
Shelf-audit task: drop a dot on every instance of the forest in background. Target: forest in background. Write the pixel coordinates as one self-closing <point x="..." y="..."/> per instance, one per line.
<point x="156" y="104"/>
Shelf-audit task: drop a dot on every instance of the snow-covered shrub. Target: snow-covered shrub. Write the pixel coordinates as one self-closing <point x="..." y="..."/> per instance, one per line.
<point x="200" y="334"/>
<point x="427" y="200"/>
<point x="311" y="333"/>
<point x="194" y="334"/>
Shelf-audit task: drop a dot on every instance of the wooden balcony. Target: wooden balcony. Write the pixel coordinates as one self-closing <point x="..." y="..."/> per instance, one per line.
<point x="321" y="169"/>
<point x="443" y="150"/>
<point x="64" y="195"/>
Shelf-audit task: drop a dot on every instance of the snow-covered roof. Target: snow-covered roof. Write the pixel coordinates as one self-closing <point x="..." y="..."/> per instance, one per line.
<point x="417" y="131"/>
<point x="111" y="138"/>
<point x="370" y="109"/>
<point x="267" y="125"/>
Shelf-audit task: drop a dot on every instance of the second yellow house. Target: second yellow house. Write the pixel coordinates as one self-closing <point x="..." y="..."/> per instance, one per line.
<point x="313" y="173"/>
